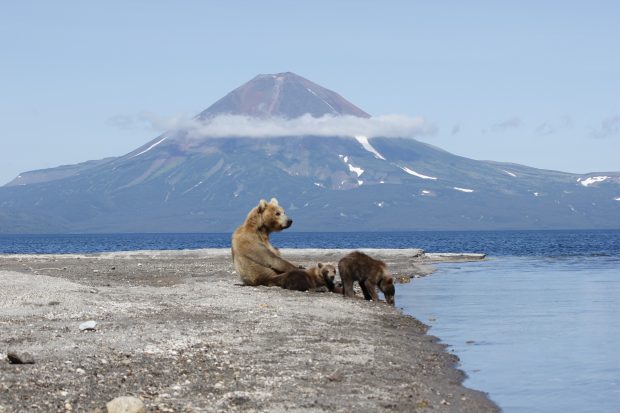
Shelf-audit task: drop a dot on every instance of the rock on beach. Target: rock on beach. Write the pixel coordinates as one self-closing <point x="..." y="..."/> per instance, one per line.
<point x="19" y="357"/>
<point x="88" y="326"/>
<point x="126" y="404"/>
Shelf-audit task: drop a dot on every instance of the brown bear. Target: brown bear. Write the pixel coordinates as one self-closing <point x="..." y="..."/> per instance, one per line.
<point x="256" y="261"/>
<point x="369" y="273"/>
<point x="318" y="279"/>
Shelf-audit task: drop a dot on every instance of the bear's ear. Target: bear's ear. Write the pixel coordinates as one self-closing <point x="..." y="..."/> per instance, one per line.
<point x="320" y="265"/>
<point x="274" y="201"/>
<point x="262" y="205"/>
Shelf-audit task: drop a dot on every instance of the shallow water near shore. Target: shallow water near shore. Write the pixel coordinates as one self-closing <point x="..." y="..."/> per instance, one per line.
<point x="537" y="334"/>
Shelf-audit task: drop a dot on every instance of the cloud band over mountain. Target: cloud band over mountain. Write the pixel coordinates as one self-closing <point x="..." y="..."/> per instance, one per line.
<point x="389" y="126"/>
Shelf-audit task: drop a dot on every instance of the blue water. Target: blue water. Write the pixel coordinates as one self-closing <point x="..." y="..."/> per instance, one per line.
<point x="537" y="334"/>
<point x="536" y="326"/>
<point x="493" y="243"/>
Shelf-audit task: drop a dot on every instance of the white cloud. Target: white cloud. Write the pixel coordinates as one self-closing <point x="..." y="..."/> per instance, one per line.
<point x="389" y="126"/>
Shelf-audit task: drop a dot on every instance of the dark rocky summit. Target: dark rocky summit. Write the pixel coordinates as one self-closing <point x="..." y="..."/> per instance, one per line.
<point x="285" y="95"/>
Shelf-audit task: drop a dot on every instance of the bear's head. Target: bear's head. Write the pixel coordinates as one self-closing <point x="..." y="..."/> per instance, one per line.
<point x="386" y="285"/>
<point x="272" y="216"/>
<point x="328" y="272"/>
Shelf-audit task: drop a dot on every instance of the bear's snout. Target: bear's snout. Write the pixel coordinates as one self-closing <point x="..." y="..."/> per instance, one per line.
<point x="289" y="222"/>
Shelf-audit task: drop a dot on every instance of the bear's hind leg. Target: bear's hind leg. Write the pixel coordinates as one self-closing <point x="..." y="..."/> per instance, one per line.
<point x="267" y="277"/>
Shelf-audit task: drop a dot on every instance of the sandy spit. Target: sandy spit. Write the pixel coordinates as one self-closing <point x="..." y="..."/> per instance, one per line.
<point x="177" y="330"/>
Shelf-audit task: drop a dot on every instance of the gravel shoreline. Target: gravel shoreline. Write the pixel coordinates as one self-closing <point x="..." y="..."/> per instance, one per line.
<point x="178" y="330"/>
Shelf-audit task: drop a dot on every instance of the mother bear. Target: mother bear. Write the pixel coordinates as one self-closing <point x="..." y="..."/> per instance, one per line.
<point x="256" y="261"/>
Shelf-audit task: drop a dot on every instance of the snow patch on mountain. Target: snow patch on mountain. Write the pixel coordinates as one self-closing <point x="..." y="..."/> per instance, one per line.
<point x="363" y="140"/>
<point x="193" y="187"/>
<point x="150" y="147"/>
<point x="324" y="101"/>
<point x="358" y="171"/>
<point x="592" y="180"/>
<point x="617" y="198"/>
<point x="509" y="173"/>
<point x="276" y="94"/>
<point x="414" y="173"/>
<point x="463" y="189"/>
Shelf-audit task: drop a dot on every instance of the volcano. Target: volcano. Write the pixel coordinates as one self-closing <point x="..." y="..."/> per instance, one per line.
<point x="285" y="95"/>
<point x="326" y="183"/>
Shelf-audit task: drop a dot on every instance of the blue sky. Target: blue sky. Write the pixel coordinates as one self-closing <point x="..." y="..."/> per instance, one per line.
<point x="536" y="83"/>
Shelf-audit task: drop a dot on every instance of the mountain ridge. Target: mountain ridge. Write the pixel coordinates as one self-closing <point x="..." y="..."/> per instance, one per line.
<point x="176" y="184"/>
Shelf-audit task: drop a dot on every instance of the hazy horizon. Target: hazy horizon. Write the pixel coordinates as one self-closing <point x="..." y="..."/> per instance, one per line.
<point x="527" y="82"/>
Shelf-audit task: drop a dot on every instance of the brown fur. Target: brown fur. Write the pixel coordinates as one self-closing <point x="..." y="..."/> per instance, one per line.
<point x="256" y="261"/>
<point x="369" y="273"/>
<point x="319" y="278"/>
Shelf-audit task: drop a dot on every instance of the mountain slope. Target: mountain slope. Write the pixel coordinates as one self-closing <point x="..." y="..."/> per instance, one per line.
<point x="177" y="184"/>
<point x="52" y="174"/>
<point x="326" y="184"/>
<point x="282" y="94"/>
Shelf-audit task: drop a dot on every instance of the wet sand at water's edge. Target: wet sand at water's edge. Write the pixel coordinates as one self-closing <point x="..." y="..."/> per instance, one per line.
<point x="178" y="330"/>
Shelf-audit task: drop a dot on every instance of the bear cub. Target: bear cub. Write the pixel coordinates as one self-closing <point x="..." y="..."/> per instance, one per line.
<point x="318" y="279"/>
<point x="369" y="273"/>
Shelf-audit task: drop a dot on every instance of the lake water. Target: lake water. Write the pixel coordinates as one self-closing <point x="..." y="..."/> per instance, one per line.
<point x="493" y="243"/>
<point x="536" y="326"/>
<point x="537" y="334"/>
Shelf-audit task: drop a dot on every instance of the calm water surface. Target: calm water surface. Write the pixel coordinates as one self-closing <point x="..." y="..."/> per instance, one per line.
<point x="537" y="334"/>
<point x="493" y="243"/>
<point x="536" y="325"/>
